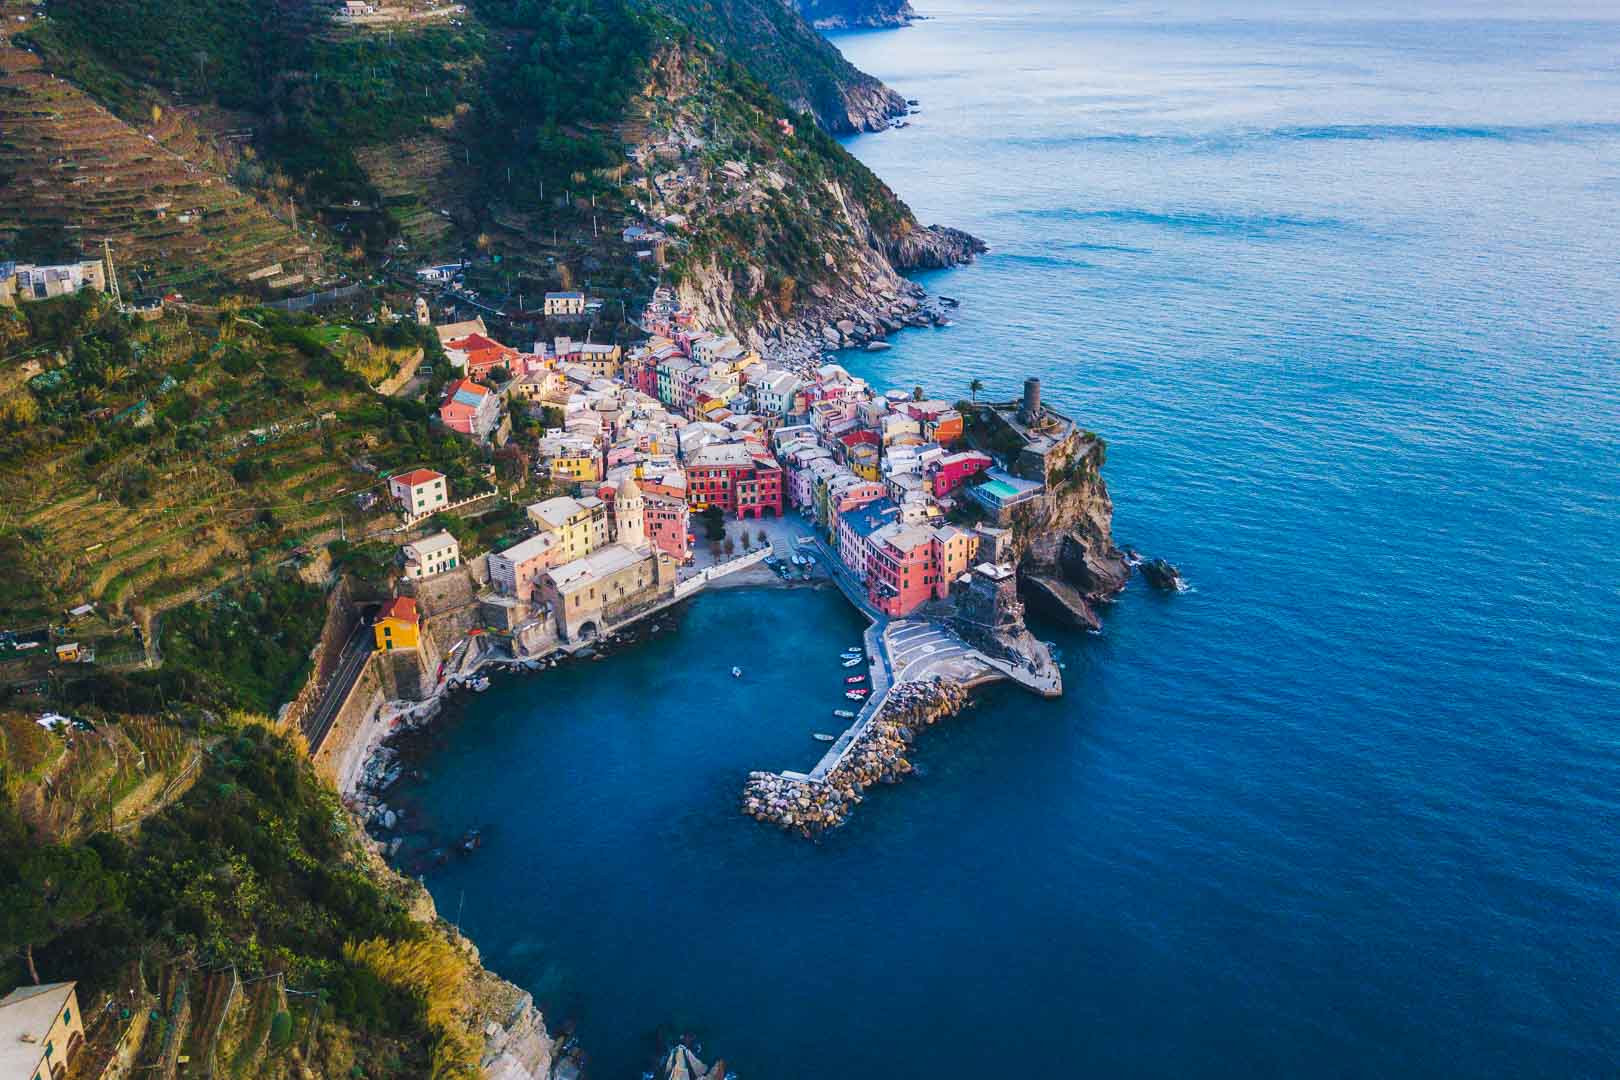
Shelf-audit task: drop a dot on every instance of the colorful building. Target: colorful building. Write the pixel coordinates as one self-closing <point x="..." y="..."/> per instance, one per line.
<point x="669" y="525"/>
<point x="470" y="409"/>
<point x="951" y="472"/>
<point x="580" y="525"/>
<point x="900" y="568"/>
<point x="398" y="625"/>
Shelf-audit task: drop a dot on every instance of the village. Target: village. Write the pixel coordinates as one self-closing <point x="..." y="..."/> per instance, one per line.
<point x="681" y="462"/>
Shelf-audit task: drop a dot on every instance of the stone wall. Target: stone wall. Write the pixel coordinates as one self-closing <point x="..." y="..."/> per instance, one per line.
<point x="402" y="674"/>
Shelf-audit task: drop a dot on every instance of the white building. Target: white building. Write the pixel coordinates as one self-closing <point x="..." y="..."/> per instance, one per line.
<point x="431" y="555"/>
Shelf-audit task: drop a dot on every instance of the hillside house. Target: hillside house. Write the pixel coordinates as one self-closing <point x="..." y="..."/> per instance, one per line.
<point x="564" y="304"/>
<point x="26" y="282"/>
<point x="431" y="555"/>
<point x="419" y="492"/>
<point x="471" y="409"/>
<point x="41" y="1032"/>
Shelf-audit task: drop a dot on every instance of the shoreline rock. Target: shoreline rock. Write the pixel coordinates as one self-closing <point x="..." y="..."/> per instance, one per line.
<point x="810" y="808"/>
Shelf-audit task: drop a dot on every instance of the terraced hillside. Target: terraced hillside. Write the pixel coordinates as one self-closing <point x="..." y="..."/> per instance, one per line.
<point x="163" y="459"/>
<point x="68" y="165"/>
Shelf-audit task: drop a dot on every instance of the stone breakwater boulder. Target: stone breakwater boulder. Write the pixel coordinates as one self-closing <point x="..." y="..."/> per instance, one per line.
<point x="877" y="757"/>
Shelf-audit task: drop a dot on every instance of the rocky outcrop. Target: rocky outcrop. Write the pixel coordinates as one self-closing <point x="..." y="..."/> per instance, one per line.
<point x="867" y="106"/>
<point x="682" y="1064"/>
<point x="809" y="807"/>
<point x="1162" y="575"/>
<point x="1059" y="600"/>
<point x="1072" y="544"/>
<point x="848" y="14"/>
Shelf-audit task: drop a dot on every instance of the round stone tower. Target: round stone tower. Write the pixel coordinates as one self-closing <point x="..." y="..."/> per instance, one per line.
<point x="629" y="514"/>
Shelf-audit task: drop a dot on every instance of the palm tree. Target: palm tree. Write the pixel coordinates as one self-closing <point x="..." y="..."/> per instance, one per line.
<point x="974" y="387"/>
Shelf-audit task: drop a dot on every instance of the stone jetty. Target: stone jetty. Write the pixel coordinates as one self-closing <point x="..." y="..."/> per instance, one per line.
<point x="878" y="755"/>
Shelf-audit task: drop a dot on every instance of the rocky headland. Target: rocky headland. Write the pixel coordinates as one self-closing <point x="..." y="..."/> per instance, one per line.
<point x="854" y="14"/>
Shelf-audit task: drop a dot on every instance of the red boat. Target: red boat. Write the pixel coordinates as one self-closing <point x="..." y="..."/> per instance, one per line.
<point x="855" y="679"/>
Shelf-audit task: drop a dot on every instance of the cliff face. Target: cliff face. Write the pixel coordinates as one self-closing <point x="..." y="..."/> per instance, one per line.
<point x="779" y="47"/>
<point x="1068" y="561"/>
<point x="784" y="236"/>
<point x="848" y="14"/>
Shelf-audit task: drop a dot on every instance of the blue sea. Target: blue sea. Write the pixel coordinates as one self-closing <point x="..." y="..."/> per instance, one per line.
<point x="1340" y="284"/>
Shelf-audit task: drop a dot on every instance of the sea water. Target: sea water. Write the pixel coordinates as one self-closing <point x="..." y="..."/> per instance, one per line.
<point x="1339" y="285"/>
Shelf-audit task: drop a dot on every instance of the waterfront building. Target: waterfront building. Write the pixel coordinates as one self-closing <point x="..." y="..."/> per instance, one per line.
<point x="419" y="492"/>
<point x="588" y="595"/>
<point x="999" y="492"/>
<point x="899" y="568"/>
<point x="854" y="529"/>
<point x="949" y="473"/>
<point x="669" y="525"/>
<point x="398" y="625"/>
<point x="431" y="555"/>
<point x="41" y="1031"/>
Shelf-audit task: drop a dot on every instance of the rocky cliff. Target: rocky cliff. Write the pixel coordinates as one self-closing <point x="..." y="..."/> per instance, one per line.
<point x="777" y="231"/>
<point x="848" y="14"/>
<point x="1067" y="559"/>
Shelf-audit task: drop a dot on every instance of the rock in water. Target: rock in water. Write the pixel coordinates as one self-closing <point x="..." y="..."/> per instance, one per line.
<point x="1059" y="600"/>
<point x="1161" y="575"/>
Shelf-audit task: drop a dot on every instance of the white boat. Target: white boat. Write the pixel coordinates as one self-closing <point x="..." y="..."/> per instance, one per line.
<point x="855" y="695"/>
<point x="843" y="714"/>
<point x="479" y="685"/>
<point x="853" y="661"/>
<point x="822" y="736"/>
<point x="736" y="673"/>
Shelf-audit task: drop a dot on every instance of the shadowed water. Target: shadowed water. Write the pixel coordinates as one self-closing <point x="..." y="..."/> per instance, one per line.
<point x="1341" y="292"/>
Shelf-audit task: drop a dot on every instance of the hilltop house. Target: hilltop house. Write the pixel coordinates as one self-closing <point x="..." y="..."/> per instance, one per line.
<point x="513" y="572"/>
<point x="398" y="625"/>
<point x="41" y="1032"/>
<point x="419" y="492"/>
<point x="431" y="555"/>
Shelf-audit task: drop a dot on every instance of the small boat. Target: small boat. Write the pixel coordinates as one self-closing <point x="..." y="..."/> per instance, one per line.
<point x="480" y="684"/>
<point x="949" y="301"/>
<point x="843" y="714"/>
<point x="851" y="654"/>
<point x="856" y="679"/>
<point x="736" y="673"/>
<point x="856" y="695"/>
<point x="822" y="736"/>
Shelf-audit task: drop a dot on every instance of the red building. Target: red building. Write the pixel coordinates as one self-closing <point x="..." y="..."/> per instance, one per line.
<point x="735" y="477"/>
<point x="951" y="472"/>
<point x="900" y="568"/>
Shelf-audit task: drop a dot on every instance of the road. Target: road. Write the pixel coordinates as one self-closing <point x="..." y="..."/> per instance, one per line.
<point x="352" y="661"/>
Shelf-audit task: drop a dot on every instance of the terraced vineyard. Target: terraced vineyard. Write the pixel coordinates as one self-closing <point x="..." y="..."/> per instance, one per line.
<point x="174" y="222"/>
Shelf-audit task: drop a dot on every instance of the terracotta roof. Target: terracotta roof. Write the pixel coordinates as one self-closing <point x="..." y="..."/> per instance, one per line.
<point x="419" y="476"/>
<point x="474" y="341"/>
<point x="402" y="608"/>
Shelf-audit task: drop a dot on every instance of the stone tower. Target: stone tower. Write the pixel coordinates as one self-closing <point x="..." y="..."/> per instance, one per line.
<point x="629" y="515"/>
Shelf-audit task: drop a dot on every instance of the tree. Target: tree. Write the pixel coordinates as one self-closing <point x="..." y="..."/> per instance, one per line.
<point x="762" y="537"/>
<point x="973" y="389"/>
<point x="730" y="545"/>
<point x="58" y="889"/>
<point x="747" y="540"/>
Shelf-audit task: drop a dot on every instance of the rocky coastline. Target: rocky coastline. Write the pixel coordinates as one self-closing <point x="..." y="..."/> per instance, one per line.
<point x="809" y="807"/>
<point x="857" y="14"/>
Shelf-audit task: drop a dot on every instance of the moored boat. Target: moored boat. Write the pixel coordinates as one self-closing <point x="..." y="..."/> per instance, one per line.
<point x="822" y="736"/>
<point x="853" y="661"/>
<point x="855" y="679"/>
<point x="855" y="695"/>
<point x="736" y="673"/>
<point x="843" y="714"/>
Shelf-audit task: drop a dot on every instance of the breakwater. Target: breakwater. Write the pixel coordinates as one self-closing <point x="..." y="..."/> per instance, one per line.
<point x="809" y="807"/>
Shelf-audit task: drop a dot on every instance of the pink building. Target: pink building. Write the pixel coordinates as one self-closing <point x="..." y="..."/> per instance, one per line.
<point x="668" y="524"/>
<point x="900" y="568"/>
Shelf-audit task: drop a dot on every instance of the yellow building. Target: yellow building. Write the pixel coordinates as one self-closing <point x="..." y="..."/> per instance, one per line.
<point x="580" y="525"/>
<point x="577" y="469"/>
<point x="41" y="1032"/>
<point x="398" y="625"/>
